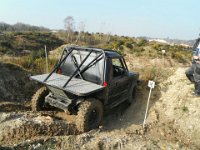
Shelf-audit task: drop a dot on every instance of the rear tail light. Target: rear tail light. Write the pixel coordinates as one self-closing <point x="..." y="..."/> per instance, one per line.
<point x="59" y="71"/>
<point x="105" y="84"/>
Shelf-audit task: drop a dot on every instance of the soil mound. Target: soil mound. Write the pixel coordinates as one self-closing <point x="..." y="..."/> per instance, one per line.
<point x="15" y="84"/>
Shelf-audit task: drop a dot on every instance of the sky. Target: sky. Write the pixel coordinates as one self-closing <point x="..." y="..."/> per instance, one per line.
<point x="174" y="19"/>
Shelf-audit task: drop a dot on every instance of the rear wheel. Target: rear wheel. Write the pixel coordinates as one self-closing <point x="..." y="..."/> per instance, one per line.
<point x="38" y="99"/>
<point x="89" y="115"/>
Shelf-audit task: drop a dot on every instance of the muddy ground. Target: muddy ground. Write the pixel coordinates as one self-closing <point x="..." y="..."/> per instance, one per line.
<point x="172" y="123"/>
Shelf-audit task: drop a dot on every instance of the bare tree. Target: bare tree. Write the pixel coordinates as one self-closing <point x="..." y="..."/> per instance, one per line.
<point x="69" y="26"/>
<point x="108" y="35"/>
<point x="81" y="28"/>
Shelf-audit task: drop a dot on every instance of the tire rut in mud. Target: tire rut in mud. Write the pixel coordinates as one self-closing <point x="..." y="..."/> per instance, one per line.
<point x="20" y="127"/>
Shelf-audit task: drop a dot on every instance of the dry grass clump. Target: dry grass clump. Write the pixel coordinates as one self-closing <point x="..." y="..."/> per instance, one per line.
<point x="155" y="73"/>
<point x="157" y="70"/>
<point x="36" y="66"/>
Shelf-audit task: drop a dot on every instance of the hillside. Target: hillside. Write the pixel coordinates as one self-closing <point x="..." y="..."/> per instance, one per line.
<point x="20" y="27"/>
<point x="172" y="121"/>
<point x="20" y="43"/>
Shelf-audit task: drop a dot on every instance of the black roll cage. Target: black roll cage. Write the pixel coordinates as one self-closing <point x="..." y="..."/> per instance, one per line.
<point x="68" y="51"/>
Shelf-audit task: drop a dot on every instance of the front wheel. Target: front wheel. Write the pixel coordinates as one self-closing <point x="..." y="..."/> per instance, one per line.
<point x="132" y="95"/>
<point x="89" y="115"/>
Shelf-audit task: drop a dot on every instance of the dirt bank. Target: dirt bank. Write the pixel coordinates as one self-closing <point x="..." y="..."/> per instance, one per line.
<point x="173" y="123"/>
<point x="14" y="83"/>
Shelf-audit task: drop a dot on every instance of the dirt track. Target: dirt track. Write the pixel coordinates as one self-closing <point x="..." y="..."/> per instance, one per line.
<point x="173" y="123"/>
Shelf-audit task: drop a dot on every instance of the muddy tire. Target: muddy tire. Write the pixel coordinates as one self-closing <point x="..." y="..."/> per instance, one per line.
<point x="38" y="99"/>
<point x="132" y="95"/>
<point x="90" y="114"/>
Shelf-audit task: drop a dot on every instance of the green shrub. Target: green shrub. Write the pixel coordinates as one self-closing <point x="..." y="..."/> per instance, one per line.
<point x="128" y="45"/>
<point x="142" y="42"/>
<point x="37" y="54"/>
<point x="181" y="56"/>
<point x="118" y="43"/>
<point x="156" y="46"/>
<point x="185" y="109"/>
<point x="3" y="49"/>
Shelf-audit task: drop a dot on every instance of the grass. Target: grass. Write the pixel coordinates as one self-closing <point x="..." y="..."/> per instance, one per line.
<point x="151" y="69"/>
<point x="35" y="66"/>
<point x="185" y="109"/>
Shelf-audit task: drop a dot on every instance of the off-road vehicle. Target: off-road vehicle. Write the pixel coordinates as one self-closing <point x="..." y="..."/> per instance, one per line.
<point x="86" y="82"/>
